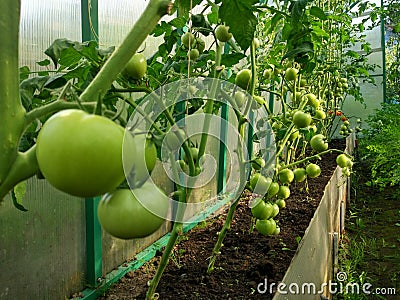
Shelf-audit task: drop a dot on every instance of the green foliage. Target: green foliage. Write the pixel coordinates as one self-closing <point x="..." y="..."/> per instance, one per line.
<point x="380" y="146"/>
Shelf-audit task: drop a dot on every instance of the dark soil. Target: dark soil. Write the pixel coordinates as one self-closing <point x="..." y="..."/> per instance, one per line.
<point x="246" y="259"/>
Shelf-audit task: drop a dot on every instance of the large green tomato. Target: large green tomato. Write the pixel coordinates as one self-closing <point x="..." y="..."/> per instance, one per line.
<point x="128" y="214"/>
<point x="266" y="227"/>
<point x="81" y="154"/>
<point x="222" y="33"/>
<point x="136" y="67"/>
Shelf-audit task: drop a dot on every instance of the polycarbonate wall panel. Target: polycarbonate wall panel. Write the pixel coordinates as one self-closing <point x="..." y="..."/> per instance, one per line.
<point x="116" y="19"/>
<point x="42" y="251"/>
<point x="43" y="21"/>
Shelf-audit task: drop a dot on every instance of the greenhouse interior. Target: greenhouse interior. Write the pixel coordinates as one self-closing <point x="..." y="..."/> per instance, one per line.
<point x="273" y="172"/>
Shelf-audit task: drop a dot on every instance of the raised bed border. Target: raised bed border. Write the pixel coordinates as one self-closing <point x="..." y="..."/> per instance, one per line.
<point x="308" y="267"/>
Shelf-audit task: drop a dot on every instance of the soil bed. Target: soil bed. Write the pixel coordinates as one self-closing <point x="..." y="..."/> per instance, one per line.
<point x="246" y="259"/>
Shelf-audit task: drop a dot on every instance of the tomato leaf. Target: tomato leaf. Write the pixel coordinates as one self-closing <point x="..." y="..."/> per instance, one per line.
<point x="318" y="12"/>
<point x="238" y="15"/>
<point x="44" y="62"/>
<point x="231" y="59"/>
<point x="17" y="195"/>
<point x="55" y="49"/>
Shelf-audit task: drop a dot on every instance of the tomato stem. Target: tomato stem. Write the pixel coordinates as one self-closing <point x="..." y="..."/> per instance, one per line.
<point x="12" y="113"/>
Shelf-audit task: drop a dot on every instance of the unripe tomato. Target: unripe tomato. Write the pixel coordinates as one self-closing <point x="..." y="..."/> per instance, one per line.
<point x="136" y="67"/>
<point x="266" y="227"/>
<point x="258" y="163"/>
<point x="222" y="33"/>
<point x="286" y="176"/>
<point x="312" y="100"/>
<point x="260" y="209"/>
<point x="281" y="203"/>
<point x="300" y="174"/>
<point x="273" y="189"/>
<point x="301" y="119"/>
<point x="291" y="74"/>
<point x="256" y="42"/>
<point x="342" y="160"/>
<point x="81" y="154"/>
<point x="318" y="143"/>
<point x="240" y="98"/>
<point x="145" y="161"/>
<point x="320" y="114"/>
<point x="129" y="214"/>
<point x="243" y="79"/>
<point x="200" y="45"/>
<point x="257" y="102"/>
<point x="284" y="192"/>
<point x="260" y="184"/>
<point x="313" y="170"/>
<point x="193" y="54"/>
<point x="188" y="39"/>
<point x="267" y="74"/>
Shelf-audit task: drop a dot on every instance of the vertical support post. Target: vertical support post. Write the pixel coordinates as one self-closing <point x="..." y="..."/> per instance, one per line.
<point x="222" y="149"/>
<point x="383" y="47"/>
<point x="94" y="259"/>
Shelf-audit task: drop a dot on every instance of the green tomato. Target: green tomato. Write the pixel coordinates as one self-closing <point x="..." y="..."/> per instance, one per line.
<point x="222" y="33"/>
<point x="243" y="79"/>
<point x="320" y="114"/>
<point x="303" y="82"/>
<point x="200" y="45"/>
<point x="300" y="174"/>
<point x="146" y="158"/>
<point x="127" y="214"/>
<point x="301" y="119"/>
<point x="193" y="54"/>
<point x="240" y="99"/>
<point x="281" y="203"/>
<point x="275" y="210"/>
<point x="257" y="43"/>
<point x="258" y="163"/>
<point x="81" y="154"/>
<point x="260" y="184"/>
<point x="260" y="209"/>
<point x="284" y="192"/>
<point x="195" y="154"/>
<point x="266" y="227"/>
<point x="318" y="143"/>
<point x="273" y="189"/>
<point x="342" y="160"/>
<point x="312" y="100"/>
<point x="257" y="102"/>
<point x="291" y="74"/>
<point x="286" y="176"/>
<point x="188" y="40"/>
<point x="313" y="170"/>
<point x="267" y="74"/>
<point x="174" y="137"/>
<point x="136" y="67"/>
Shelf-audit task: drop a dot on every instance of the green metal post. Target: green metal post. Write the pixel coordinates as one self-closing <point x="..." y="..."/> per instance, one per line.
<point x="94" y="259"/>
<point x="383" y="46"/>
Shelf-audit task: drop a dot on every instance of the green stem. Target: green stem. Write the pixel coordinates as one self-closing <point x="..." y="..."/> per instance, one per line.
<point x="24" y="167"/>
<point x="208" y="107"/>
<point x="232" y="209"/>
<point x="175" y="233"/>
<point x="12" y="113"/>
<point x="54" y="107"/>
<point x="120" y="57"/>
<point x="316" y="156"/>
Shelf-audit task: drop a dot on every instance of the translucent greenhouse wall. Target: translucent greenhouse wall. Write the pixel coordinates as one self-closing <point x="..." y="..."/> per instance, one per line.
<point x="373" y="94"/>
